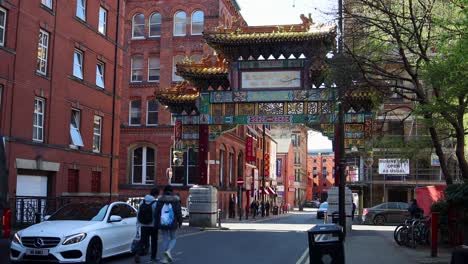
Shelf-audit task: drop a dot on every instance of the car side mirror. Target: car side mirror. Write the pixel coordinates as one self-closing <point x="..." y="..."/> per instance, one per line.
<point x="115" y="218"/>
<point x="46" y="217"/>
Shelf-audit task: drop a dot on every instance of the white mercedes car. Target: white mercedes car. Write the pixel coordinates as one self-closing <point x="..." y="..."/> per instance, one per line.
<point x="81" y="232"/>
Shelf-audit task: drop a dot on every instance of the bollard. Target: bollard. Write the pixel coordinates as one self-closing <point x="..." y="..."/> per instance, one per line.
<point x="434" y="233"/>
<point x="219" y="218"/>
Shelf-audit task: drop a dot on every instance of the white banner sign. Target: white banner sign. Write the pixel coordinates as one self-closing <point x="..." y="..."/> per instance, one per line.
<point x="394" y="166"/>
<point x="271" y="79"/>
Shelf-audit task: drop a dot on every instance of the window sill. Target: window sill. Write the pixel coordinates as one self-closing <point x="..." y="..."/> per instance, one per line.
<point x="48" y="9"/>
<point x="85" y="83"/>
<point x="154" y="37"/>
<point x="84" y="23"/>
<point x="137" y="38"/>
<point x="11" y="51"/>
<point x="42" y="75"/>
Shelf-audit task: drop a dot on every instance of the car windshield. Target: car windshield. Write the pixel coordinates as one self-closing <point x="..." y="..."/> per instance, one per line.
<point x="324" y="206"/>
<point x="82" y="212"/>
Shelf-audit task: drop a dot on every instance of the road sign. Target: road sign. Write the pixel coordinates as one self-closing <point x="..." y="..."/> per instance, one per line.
<point x="240" y="182"/>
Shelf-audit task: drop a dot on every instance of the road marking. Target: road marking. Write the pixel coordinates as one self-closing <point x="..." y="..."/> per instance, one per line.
<point x="190" y="234"/>
<point x="304" y="255"/>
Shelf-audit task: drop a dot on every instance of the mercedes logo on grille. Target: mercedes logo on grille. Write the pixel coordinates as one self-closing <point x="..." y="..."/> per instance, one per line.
<point x="38" y="242"/>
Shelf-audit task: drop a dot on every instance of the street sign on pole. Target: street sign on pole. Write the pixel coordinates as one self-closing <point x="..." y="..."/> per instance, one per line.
<point x="240" y="182"/>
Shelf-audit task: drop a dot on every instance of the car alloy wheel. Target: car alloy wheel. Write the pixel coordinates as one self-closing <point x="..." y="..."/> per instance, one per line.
<point x="94" y="252"/>
<point x="379" y="220"/>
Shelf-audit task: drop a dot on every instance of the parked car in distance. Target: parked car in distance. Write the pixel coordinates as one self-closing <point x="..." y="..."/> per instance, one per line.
<point x="185" y="212"/>
<point x="78" y="232"/>
<point x="391" y="212"/>
<point x="322" y="211"/>
<point x="311" y="204"/>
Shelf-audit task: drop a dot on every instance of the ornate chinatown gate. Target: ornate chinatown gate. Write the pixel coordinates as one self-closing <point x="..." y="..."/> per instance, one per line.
<point x="263" y="75"/>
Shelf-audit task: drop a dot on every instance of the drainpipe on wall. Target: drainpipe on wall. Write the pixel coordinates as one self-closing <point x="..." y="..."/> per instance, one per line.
<point x="114" y="98"/>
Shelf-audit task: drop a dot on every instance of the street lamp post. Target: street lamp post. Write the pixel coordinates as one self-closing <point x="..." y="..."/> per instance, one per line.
<point x="263" y="170"/>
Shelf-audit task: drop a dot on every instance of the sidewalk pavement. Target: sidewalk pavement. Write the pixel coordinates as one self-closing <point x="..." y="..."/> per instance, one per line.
<point x="372" y="244"/>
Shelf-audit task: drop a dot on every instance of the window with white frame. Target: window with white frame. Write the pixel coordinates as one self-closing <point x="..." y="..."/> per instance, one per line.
<point x="180" y="23"/>
<point x="102" y="27"/>
<point x="137" y="68"/>
<point x="78" y="64"/>
<point x="3" y="17"/>
<point x="76" y="139"/>
<point x="47" y="3"/>
<point x="38" y="119"/>
<point x="152" y="113"/>
<point x="153" y="69"/>
<point x="135" y="113"/>
<point x="143" y="165"/>
<point x="185" y="172"/>
<point x="97" y="133"/>
<point x="221" y="167"/>
<point x="175" y="77"/>
<point x="197" y="22"/>
<point x="155" y="25"/>
<point x="231" y="168"/>
<point x="81" y="9"/>
<point x="196" y="58"/>
<point x="138" y="26"/>
<point x="100" y="71"/>
<point x="42" y="52"/>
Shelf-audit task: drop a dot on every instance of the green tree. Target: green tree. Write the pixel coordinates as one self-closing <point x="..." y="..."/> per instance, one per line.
<point x="400" y="46"/>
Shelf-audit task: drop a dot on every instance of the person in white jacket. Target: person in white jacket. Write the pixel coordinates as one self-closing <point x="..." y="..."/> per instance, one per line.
<point x="146" y="222"/>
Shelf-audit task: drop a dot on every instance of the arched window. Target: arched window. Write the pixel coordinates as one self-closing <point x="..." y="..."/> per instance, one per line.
<point x="240" y="166"/>
<point x="197" y="22"/>
<point x="222" y="152"/>
<point x="155" y="25"/>
<point x="138" y="26"/>
<point x="196" y="58"/>
<point x="180" y="23"/>
<point x="143" y="165"/>
<point x="231" y="167"/>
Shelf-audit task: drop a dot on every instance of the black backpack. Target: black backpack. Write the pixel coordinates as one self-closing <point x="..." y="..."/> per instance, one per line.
<point x="145" y="214"/>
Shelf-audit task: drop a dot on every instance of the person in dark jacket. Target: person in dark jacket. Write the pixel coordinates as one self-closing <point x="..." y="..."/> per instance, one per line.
<point x="267" y="208"/>
<point x="232" y="205"/>
<point x="168" y="232"/>
<point x="414" y="210"/>
<point x="148" y="230"/>
<point x="254" y="208"/>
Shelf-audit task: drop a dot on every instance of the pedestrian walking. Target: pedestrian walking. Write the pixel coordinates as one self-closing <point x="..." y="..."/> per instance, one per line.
<point x="146" y="222"/>
<point x="267" y="208"/>
<point x="414" y="210"/>
<point x="254" y="208"/>
<point x="232" y="205"/>
<point x="168" y="219"/>
<point x="353" y="211"/>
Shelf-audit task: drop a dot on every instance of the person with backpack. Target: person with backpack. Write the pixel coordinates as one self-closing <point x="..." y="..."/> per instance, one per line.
<point x="146" y="222"/>
<point x="168" y="219"/>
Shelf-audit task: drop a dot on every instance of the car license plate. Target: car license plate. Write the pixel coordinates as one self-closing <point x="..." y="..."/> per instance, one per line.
<point x="37" y="252"/>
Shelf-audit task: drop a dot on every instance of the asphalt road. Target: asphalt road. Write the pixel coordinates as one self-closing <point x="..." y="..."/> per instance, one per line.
<point x="281" y="240"/>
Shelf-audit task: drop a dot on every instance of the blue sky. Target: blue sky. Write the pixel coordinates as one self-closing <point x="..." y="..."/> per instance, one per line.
<point x="280" y="12"/>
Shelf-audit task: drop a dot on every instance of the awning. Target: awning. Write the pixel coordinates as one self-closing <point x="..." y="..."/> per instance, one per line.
<point x="268" y="190"/>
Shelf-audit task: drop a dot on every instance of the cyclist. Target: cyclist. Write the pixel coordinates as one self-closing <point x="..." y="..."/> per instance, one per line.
<point x="414" y="210"/>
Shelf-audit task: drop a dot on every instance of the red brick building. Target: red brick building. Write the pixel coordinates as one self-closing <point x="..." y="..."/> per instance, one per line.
<point x="157" y="36"/>
<point x="321" y="167"/>
<point x="59" y="82"/>
<point x="285" y="166"/>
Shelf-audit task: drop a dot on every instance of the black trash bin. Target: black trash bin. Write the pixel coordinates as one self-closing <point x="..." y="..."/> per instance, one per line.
<point x="275" y="210"/>
<point x="326" y="242"/>
<point x="335" y="218"/>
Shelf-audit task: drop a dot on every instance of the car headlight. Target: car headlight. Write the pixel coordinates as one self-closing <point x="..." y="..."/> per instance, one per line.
<point x="74" y="239"/>
<point x="17" y="239"/>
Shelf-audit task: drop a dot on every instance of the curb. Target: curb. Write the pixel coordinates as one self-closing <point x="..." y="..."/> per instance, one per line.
<point x="213" y="228"/>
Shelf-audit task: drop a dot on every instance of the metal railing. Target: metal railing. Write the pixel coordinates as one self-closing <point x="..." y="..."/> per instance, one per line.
<point x="28" y="210"/>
